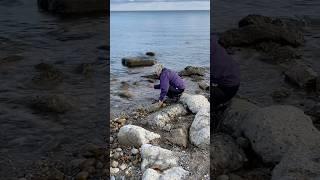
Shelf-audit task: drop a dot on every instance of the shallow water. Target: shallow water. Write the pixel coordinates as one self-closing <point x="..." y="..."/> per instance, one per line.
<point x="260" y="79"/>
<point x="27" y="136"/>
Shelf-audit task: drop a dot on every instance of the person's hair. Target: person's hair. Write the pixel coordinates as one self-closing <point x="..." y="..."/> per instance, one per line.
<point x="157" y="69"/>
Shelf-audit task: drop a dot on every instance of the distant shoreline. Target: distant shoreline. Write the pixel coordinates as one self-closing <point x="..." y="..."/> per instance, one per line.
<point x="112" y="11"/>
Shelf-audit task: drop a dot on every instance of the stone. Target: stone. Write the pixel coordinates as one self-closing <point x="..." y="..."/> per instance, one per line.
<point x="194" y="102"/>
<point x="204" y="85"/>
<point x="114" y="164"/>
<point x="51" y="103"/>
<point x="223" y="177"/>
<point x="199" y="132"/>
<point x="118" y="149"/>
<point x="280" y="94"/>
<point x="132" y="135"/>
<point x="179" y="136"/>
<point x="123" y="167"/>
<point x="302" y="75"/>
<point x="273" y="130"/>
<point x="82" y="175"/>
<point x="114" y="170"/>
<point x="166" y="115"/>
<point x="134" y="151"/>
<point x="150" y="53"/>
<point x="87" y="163"/>
<point x="192" y="70"/>
<point x="48" y="76"/>
<point x="157" y="157"/>
<point x="138" y="61"/>
<point x="175" y="173"/>
<point x="299" y="163"/>
<point x="73" y="6"/>
<point x="225" y="155"/>
<point x="125" y="94"/>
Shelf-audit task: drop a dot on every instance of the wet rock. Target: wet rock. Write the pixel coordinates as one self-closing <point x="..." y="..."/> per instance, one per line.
<point x="236" y="113"/>
<point x="151" y="76"/>
<point x="226" y="155"/>
<point x="48" y="75"/>
<point x="223" y="177"/>
<point x="204" y="85"/>
<point x="299" y="163"/>
<point x="258" y="29"/>
<point x="150" y="53"/>
<point x="135" y="136"/>
<point x="199" y="132"/>
<point x="134" y="151"/>
<point x="73" y="6"/>
<point x="157" y="158"/>
<point x="192" y="70"/>
<point x="194" y="102"/>
<point x="244" y="143"/>
<point x="82" y="175"/>
<point x="92" y="150"/>
<point x="88" y="163"/>
<point x="179" y="136"/>
<point x="302" y="75"/>
<point x="138" y="61"/>
<point x="281" y="127"/>
<point x="166" y="115"/>
<point x="114" y="164"/>
<point x="56" y="174"/>
<point x="85" y="69"/>
<point x="125" y="94"/>
<point x="99" y="165"/>
<point x="76" y="163"/>
<point x="281" y="94"/>
<point x="175" y="173"/>
<point x="51" y="103"/>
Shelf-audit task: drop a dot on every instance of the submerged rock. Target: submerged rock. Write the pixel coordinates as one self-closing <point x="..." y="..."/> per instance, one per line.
<point x="52" y="103"/>
<point x="138" y="61"/>
<point x="166" y="115"/>
<point x="157" y="158"/>
<point x="175" y="173"/>
<point x="273" y="130"/>
<point x="48" y="75"/>
<point x="132" y="135"/>
<point x="226" y="156"/>
<point x="200" y="129"/>
<point x="73" y="6"/>
<point x="194" y="102"/>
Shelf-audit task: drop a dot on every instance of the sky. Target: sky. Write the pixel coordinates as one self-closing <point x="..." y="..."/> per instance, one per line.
<point x="149" y="5"/>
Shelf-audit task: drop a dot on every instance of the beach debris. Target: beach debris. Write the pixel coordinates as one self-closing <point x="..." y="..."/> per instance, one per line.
<point x="194" y="102"/>
<point x="165" y="116"/>
<point x="226" y="155"/>
<point x="175" y="173"/>
<point x="199" y="132"/>
<point x="193" y="70"/>
<point x="157" y="158"/>
<point x="138" y="61"/>
<point x="135" y="136"/>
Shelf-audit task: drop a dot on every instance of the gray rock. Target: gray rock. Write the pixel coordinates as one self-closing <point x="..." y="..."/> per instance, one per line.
<point x="192" y="70"/>
<point x="226" y="155"/>
<point x="157" y="157"/>
<point x="273" y="130"/>
<point x="132" y="135"/>
<point x="175" y="173"/>
<point x="138" y="61"/>
<point x="179" y="136"/>
<point x="199" y="132"/>
<point x="204" y="85"/>
<point x="194" y="102"/>
<point x="134" y="151"/>
<point x="114" y="164"/>
<point x="52" y="103"/>
<point x="114" y="170"/>
<point x="166" y="115"/>
<point x="299" y="163"/>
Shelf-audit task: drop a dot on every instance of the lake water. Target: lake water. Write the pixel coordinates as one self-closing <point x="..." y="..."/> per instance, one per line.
<point x="179" y="38"/>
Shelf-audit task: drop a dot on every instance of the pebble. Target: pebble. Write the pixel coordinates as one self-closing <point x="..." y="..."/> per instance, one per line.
<point x="134" y="151"/>
<point x="118" y="149"/>
<point x="123" y="166"/>
<point x="223" y="177"/>
<point x="82" y="175"/>
<point x="114" y="164"/>
<point x="111" y="139"/>
<point x="116" y="155"/>
<point x="114" y="170"/>
<point x="99" y="165"/>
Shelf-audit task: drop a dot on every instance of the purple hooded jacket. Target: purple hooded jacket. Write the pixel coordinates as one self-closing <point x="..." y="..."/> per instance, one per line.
<point x="168" y="78"/>
<point x="225" y="71"/>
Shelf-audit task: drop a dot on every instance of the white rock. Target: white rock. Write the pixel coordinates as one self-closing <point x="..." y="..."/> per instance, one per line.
<point x="195" y="102"/>
<point x="200" y="129"/>
<point x="157" y="157"/>
<point x="114" y="170"/>
<point x="175" y="173"/>
<point x="123" y="167"/>
<point x="134" y="151"/>
<point x="111" y="139"/>
<point x="114" y="164"/>
<point x="135" y="136"/>
<point x="163" y="118"/>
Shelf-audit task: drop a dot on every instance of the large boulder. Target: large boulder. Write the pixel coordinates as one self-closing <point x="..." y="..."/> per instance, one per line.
<point x="299" y="163"/>
<point x="273" y="130"/>
<point x="194" y="102"/>
<point x="132" y="135"/>
<point x="199" y="132"/>
<point x="175" y="173"/>
<point x="302" y="75"/>
<point x="74" y="6"/>
<point x="192" y="70"/>
<point x="157" y="158"/>
<point x="138" y="61"/>
<point x="165" y="116"/>
<point x="226" y="155"/>
<point x="236" y="113"/>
